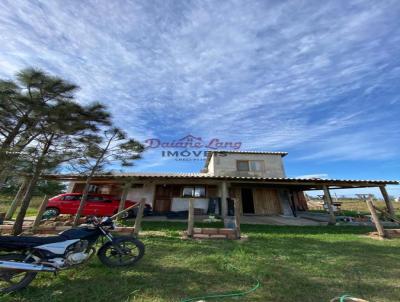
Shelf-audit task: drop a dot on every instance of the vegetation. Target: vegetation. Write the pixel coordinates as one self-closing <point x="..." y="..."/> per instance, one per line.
<point x="42" y="127"/>
<point x="5" y="201"/>
<point x="356" y="207"/>
<point x="48" y="187"/>
<point x="98" y="152"/>
<point x="293" y="264"/>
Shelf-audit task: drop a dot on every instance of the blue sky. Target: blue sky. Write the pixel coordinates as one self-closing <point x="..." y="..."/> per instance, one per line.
<point x="319" y="79"/>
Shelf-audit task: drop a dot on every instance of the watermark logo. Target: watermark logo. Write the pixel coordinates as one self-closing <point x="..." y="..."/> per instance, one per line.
<point x="190" y="147"/>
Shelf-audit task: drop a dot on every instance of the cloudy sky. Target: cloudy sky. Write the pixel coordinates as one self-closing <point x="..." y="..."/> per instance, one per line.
<point x="319" y="79"/>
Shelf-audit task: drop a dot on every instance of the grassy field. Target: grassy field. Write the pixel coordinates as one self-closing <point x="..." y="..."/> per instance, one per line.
<point x="5" y="201"/>
<point x="353" y="207"/>
<point x="292" y="264"/>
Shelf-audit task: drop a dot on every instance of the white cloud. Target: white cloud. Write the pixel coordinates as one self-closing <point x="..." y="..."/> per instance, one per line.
<point x="317" y="79"/>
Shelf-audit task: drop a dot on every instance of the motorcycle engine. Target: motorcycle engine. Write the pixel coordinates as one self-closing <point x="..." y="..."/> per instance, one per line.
<point x="79" y="246"/>
<point x="76" y="258"/>
<point x="77" y="253"/>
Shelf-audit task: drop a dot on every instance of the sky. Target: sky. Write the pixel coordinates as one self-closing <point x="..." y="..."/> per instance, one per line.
<point x="318" y="79"/>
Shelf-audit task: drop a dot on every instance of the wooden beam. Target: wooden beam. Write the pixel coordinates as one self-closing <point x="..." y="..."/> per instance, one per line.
<point x="190" y="218"/>
<point x="237" y="217"/>
<point x="328" y="200"/>
<point x="126" y="210"/>
<point x="39" y="215"/>
<point x="17" y="199"/>
<point x="375" y="218"/>
<point x="139" y="217"/>
<point x="389" y="204"/>
<point x="124" y="195"/>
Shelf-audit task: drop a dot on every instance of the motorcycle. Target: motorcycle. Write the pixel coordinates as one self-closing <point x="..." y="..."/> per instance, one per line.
<point x="29" y="255"/>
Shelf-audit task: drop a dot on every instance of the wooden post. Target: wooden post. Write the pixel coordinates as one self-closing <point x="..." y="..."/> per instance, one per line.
<point x="375" y="218"/>
<point x="237" y="217"/>
<point x="16" y="200"/>
<point x="224" y="199"/>
<point x="190" y="218"/>
<point x="388" y="202"/>
<point x="139" y="216"/>
<point x="125" y="192"/>
<point x="328" y="200"/>
<point x="39" y="215"/>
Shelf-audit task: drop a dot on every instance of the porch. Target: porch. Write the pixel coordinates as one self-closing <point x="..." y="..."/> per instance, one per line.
<point x="171" y="197"/>
<point x="255" y="196"/>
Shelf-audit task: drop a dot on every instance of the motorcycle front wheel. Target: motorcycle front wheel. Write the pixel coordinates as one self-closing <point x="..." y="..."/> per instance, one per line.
<point x="122" y="251"/>
<point x="13" y="280"/>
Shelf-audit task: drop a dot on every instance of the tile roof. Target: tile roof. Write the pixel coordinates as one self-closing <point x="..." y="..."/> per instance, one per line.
<point x="148" y="175"/>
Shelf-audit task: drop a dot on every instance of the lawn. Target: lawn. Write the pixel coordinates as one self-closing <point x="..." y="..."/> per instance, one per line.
<point x="292" y="264"/>
<point x="5" y="202"/>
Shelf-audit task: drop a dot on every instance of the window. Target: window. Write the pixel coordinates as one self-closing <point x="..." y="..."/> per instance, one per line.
<point x="94" y="188"/>
<point x="256" y="165"/>
<point x="195" y="191"/>
<point x="199" y="192"/>
<point x="72" y="197"/>
<point x="95" y="198"/>
<point x="188" y="191"/>
<point x="243" y="165"/>
<point x="250" y="165"/>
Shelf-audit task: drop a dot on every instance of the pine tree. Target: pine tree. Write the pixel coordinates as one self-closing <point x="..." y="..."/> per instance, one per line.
<point x="56" y="133"/>
<point x="23" y="104"/>
<point x="98" y="152"/>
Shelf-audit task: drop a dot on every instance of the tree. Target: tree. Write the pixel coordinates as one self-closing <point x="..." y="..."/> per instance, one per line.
<point x="98" y="152"/>
<point x="54" y="144"/>
<point x="23" y="104"/>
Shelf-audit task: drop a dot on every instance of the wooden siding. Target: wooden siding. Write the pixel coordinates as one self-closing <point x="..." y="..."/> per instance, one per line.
<point x="266" y="201"/>
<point x="300" y="201"/>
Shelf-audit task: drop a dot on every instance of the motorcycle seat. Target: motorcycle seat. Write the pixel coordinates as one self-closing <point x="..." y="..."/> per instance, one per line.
<point x="12" y="242"/>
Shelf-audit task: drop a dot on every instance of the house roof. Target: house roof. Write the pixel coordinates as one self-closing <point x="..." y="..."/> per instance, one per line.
<point x="310" y="182"/>
<point x="210" y="153"/>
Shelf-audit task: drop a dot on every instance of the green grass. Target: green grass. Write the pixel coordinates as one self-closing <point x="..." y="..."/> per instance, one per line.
<point x="5" y="202"/>
<point x="292" y="264"/>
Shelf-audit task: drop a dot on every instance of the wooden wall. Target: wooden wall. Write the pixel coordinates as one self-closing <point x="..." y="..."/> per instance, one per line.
<point x="266" y="201"/>
<point x="300" y="201"/>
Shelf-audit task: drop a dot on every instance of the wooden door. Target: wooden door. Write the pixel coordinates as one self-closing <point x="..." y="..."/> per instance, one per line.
<point x="163" y="198"/>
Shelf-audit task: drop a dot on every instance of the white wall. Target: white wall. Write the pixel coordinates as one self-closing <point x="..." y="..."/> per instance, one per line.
<point x="147" y="191"/>
<point x="182" y="204"/>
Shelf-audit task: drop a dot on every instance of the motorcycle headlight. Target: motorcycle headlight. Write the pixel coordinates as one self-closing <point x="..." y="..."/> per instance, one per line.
<point x="107" y="222"/>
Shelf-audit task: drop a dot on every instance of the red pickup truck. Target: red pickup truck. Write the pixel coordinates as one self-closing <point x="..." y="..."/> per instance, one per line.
<point x="97" y="205"/>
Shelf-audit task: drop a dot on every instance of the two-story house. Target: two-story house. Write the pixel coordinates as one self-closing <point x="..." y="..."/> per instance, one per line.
<point x="256" y="179"/>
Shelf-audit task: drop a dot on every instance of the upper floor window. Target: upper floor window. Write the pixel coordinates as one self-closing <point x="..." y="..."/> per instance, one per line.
<point x="243" y="165"/>
<point x="256" y="165"/>
<point x="250" y="165"/>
